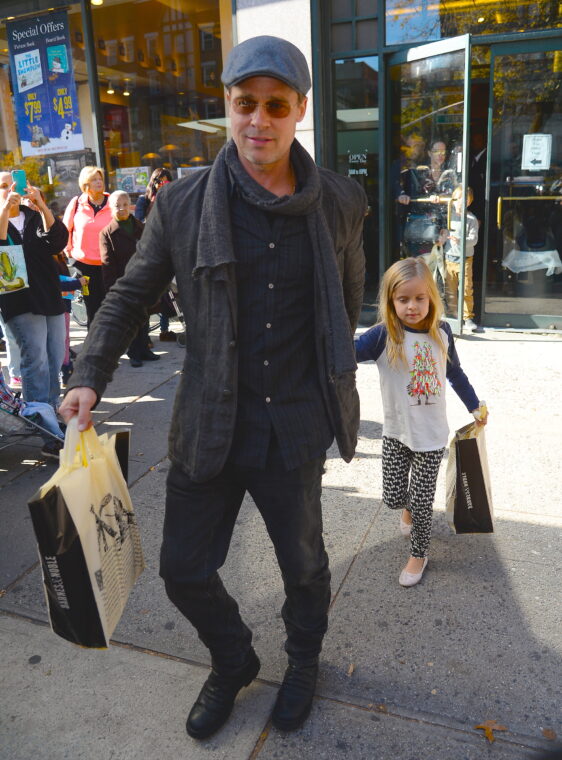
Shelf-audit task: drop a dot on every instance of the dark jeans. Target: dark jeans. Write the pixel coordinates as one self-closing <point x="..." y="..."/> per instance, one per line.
<point x="198" y="528"/>
<point x="95" y="286"/>
<point x="139" y="344"/>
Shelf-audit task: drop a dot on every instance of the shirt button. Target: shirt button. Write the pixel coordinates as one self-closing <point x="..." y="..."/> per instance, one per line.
<point x="268" y="325"/>
<point x="267" y="400"/>
<point x="266" y="363"/>
<point x="272" y="245"/>
<point x="271" y="286"/>
<point x="226" y="393"/>
<point x="232" y="344"/>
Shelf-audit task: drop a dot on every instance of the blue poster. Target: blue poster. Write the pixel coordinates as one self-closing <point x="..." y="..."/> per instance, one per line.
<point x="43" y="82"/>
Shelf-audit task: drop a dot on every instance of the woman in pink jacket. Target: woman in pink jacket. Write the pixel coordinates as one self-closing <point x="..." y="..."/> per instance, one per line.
<point x="85" y="216"/>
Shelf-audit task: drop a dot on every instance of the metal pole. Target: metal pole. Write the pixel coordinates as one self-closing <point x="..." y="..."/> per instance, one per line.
<point x="92" y="69"/>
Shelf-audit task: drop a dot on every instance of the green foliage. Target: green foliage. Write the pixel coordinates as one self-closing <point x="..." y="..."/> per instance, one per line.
<point x="35" y="170"/>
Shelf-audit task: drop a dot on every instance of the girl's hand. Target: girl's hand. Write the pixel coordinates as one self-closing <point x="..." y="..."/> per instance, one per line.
<point x="481" y="414"/>
<point x="83" y="281"/>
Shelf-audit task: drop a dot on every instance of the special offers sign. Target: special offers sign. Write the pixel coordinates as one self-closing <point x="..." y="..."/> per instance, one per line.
<point x="44" y="86"/>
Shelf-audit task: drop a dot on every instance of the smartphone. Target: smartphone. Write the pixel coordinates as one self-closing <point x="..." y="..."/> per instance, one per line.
<point x="18" y="176"/>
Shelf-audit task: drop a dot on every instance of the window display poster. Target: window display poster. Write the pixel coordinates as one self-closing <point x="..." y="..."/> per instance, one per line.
<point x="132" y="179"/>
<point x="43" y="83"/>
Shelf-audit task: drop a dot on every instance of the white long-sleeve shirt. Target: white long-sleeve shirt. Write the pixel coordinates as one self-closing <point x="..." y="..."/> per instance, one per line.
<point x="452" y="248"/>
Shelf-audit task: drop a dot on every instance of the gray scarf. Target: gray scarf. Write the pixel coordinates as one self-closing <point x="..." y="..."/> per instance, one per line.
<point x="215" y="248"/>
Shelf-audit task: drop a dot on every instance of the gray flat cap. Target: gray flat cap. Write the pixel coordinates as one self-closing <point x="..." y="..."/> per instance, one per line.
<point x="267" y="56"/>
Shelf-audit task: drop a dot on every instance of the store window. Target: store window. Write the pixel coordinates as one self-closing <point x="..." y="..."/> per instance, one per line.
<point x="45" y="115"/>
<point x="161" y="96"/>
<point x="423" y="21"/>
<point x="353" y="25"/>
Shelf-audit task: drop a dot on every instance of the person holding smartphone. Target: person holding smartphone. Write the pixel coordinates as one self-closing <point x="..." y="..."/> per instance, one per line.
<point x="35" y="315"/>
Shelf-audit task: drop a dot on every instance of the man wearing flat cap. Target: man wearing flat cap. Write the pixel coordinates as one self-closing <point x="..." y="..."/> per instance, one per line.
<point x="267" y="253"/>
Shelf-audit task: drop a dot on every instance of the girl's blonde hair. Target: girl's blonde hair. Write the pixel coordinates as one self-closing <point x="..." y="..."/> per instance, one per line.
<point x="457" y="193"/>
<point x="400" y="272"/>
<point x="87" y="174"/>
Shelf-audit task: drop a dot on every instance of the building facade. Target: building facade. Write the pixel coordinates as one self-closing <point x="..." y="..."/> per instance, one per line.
<point x="416" y="100"/>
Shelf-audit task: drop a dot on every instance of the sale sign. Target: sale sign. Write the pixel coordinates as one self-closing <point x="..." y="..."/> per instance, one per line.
<point x="43" y="84"/>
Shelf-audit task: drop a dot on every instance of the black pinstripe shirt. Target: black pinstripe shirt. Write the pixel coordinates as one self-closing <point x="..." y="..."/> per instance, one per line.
<point x="279" y="391"/>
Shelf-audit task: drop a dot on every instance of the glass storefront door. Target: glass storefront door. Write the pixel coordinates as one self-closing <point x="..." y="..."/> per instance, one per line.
<point x="357" y="132"/>
<point x="428" y="88"/>
<point x="524" y="167"/>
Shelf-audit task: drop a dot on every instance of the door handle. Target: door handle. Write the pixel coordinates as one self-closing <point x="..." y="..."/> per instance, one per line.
<point x="501" y="200"/>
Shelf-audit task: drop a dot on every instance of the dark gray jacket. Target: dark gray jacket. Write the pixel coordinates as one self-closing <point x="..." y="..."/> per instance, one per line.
<point x="205" y="406"/>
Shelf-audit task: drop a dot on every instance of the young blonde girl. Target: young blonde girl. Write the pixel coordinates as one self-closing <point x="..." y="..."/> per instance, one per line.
<point x="415" y="354"/>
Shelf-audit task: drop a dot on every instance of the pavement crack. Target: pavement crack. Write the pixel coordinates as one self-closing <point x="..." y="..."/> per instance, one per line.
<point x="261" y="740"/>
<point x="17" y="580"/>
<point x="359" y="548"/>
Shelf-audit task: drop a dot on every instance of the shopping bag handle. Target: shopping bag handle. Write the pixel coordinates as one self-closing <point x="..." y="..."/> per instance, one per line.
<point x="84" y="443"/>
<point x="472" y="430"/>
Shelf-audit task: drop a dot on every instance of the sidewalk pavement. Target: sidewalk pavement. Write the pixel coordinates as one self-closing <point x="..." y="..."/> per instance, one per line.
<point x="406" y="674"/>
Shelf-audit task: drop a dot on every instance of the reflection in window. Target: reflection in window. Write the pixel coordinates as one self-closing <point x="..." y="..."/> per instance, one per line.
<point x="111" y="52"/>
<point x="427" y="106"/>
<point x="172" y="87"/>
<point x="357" y="121"/>
<point x="426" y="20"/>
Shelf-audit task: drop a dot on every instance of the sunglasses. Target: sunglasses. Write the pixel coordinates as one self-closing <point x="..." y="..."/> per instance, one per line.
<point x="276" y="109"/>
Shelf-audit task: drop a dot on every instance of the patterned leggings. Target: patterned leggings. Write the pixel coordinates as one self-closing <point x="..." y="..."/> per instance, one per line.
<point x="417" y="495"/>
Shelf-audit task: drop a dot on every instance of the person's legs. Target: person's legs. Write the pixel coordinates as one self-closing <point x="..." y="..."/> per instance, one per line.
<point x="56" y="338"/>
<point x="290" y="504"/>
<point x="452" y="270"/>
<point x="96" y="288"/>
<point x="396" y="461"/>
<point x="30" y="332"/>
<point x="425" y="468"/>
<point x="139" y="344"/>
<point x="198" y="527"/>
<point x="66" y="359"/>
<point x="13" y="355"/>
<point x="468" y="306"/>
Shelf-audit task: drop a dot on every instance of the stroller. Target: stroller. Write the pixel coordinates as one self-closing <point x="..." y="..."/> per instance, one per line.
<point x="170" y="303"/>
<point x="20" y="418"/>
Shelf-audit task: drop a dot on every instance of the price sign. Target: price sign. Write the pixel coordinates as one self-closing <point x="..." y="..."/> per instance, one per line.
<point x="44" y="89"/>
<point x="33" y="110"/>
<point x="62" y="105"/>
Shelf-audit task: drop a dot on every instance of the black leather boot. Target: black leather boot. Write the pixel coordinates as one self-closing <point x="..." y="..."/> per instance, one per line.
<point x="294" y="699"/>
<point x="216" y="699"/>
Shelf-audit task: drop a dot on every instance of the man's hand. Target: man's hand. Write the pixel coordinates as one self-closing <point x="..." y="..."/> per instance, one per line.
<point x="79" y="401"/>
<point x="403" y="199"/>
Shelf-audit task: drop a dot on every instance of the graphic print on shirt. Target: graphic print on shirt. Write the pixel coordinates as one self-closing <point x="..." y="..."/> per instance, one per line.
<point x="424" y="380"/>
